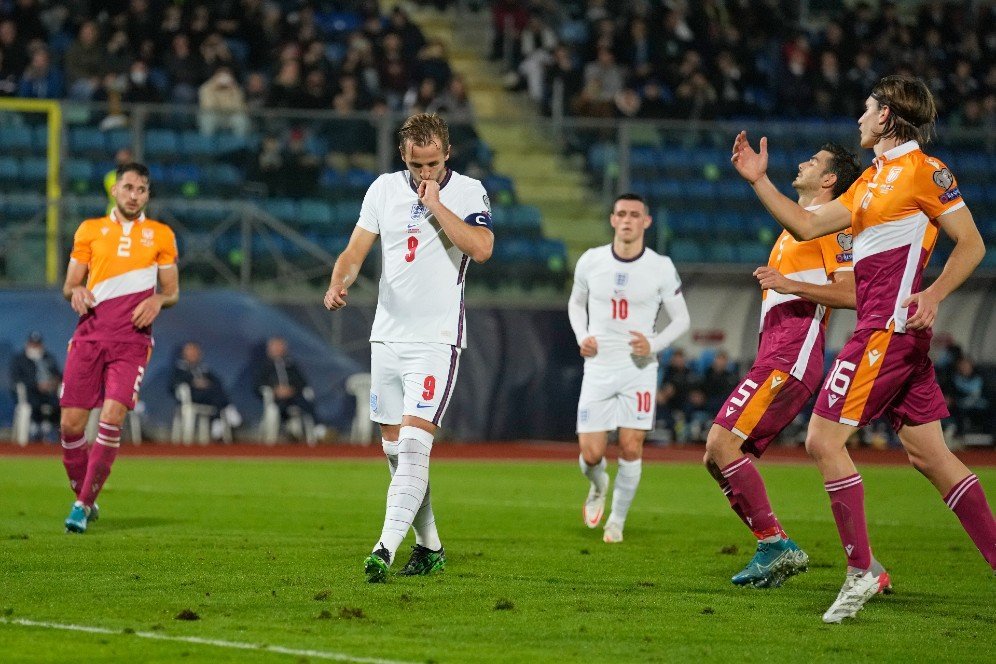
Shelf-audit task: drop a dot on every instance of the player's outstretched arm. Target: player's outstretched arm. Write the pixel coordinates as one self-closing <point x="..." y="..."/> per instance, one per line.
<point x="839" y="294"/>
<point x="968" y="252"/>
<point x="347" y="267"/>
<point x="79" y="296"/>
<point x="801" y="223"/>
<point x="476" y="241"/>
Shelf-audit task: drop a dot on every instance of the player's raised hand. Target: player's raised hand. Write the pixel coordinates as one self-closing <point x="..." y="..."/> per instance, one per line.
<point x="751" y="165"/>
<point x="639" y="344"/>
<point x="82" y="300"/>
<point x="146" y="311"/>
<point x="770" y="278"/>
<point x="335" y="297"/>
<point x="428" y="192"/>
<point x="926" y="310"/>
<point x="589" y="347"/>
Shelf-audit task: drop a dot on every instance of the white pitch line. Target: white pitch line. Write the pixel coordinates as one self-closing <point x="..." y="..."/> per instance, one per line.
<point x="236" y="645"/>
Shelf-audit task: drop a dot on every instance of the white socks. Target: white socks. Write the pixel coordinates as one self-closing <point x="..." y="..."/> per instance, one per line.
<point x="627" y="480"/>
<point x="424" y="524"/>
<point x="409" y="487"/>
<point x="596" y="473"/>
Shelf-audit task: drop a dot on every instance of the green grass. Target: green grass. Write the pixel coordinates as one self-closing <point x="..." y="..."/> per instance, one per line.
<point x="270" y="552"/>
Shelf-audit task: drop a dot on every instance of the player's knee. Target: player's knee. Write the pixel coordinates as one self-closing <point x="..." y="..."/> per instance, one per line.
<point x="921" y="463"/>
<point x="716" y="442"/>
<point x="591" y="457"/>
<point x="71" y="424"/>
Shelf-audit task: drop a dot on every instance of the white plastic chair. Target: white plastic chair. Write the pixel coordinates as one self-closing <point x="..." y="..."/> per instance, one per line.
<point x="22" y="415"/>
<point x="362" y="429"/>
<point x="192" y="421"/>
<point x="299" y="423"/>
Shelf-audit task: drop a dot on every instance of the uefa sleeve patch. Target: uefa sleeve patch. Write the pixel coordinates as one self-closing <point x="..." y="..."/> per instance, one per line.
<point x="950" y="195"/>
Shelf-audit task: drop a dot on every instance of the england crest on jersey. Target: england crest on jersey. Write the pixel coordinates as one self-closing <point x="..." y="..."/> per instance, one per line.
<point x="621" y="280"/>
<point x="418" y="211"/>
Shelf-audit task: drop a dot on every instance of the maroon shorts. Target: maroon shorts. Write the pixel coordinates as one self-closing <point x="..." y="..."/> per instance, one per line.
<point x="766" y="402"/>
<point x="879" y="372"/>
<point x="99" y="370"/>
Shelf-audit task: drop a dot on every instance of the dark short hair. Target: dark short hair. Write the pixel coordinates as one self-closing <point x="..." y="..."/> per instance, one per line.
<point x="844" y="164"/>
<point x="134" y="167"/>
<point x="630" y="196"/>
<point x="912" y="111"/>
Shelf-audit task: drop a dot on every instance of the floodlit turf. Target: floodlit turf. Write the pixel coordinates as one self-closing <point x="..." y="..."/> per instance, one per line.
<point x="271" y="551"/>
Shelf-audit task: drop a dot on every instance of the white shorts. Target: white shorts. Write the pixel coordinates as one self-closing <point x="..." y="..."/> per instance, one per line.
<point x="410" y="378"/>
<point x="613" y="397"/>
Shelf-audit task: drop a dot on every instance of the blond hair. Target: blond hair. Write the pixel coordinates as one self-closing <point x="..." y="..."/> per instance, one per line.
<point x="424" y="129"/>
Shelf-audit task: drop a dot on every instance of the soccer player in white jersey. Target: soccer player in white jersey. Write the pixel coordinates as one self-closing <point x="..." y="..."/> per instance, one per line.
<point x="432" y="222"/>
<point x="618" y="292"/>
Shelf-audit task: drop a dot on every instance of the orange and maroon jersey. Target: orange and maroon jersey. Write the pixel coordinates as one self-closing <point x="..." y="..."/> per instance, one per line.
<point x="894" y="209"/>
<point x="793" y="329"/>
<point x="124" y="259"/>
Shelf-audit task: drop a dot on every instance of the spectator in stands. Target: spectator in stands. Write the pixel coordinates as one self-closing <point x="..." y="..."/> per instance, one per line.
<point x="676" y="381"/>
<point x="301" y="166"/>
<point x="268" y="168"/>
<point x="37" y="370"/>
<point x="316" y="94"/>
<point x="13" y="47"/>
<point x="719" y="381"/>
<point x="139" y="89"/>
<point x="563" y="76"/>
<point x="698" y="416"/>
<point x="508" y="19"/>
<point x="604" y="75"/>
<point x="280" y="373"/>
<point x="41" y="80"/>
<point x="185" y="69"/>
<point x="206" y="387"/>
<point x="84" y="62"/>
<point x="286" y="91"/>
<point x="117" y="53"/>
<point x="222" y="104"/>
<point x="971" y="407"/>
<point x="534" y="54"/>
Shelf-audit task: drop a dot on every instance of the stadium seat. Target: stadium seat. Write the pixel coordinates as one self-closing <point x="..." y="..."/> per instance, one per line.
<point x="359" y="179"/>
<point x="525" y="220"/>
<point x="754" y="253"/>
<point x="16" y="139"/>
<point x="228" y="143"/>
<point x="284" y="209"/>
<point x="9" y="172"/>
<point x="118" y="139"/>
<point x="161" y="144"/>
<point x="23" y="207"/>
<point x="226" y="177"/>
<point x="86" y="140"/>
<point x="345" y="215"/>
<point x="600" y="156"/>
<point x="195" y="144"/>
<point x="34" y="170"/>
<point x="719" y="251"/>
<point x="686" y="251"/>
<point x="78" y="170"/>
<point x="313" y="212"/>
<point x="500" y="188"/>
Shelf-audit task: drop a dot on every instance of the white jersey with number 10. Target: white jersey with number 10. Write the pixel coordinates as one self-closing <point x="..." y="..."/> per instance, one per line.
<point x="422" y="273"/>
<point x="622" y="295"/>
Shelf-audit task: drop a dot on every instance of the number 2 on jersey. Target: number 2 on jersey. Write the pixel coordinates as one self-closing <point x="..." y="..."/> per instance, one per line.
<point x="412" y="246"/>
<point x="620" y="309"/>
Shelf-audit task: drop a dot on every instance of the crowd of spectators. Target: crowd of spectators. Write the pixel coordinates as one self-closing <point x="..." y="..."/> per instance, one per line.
<point x="234" y="57"/>
<point x="690" y="394"/>
<point x="726" y="59"/>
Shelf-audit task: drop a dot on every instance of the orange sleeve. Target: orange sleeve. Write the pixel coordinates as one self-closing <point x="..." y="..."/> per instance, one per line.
<point x="168" y="252"/>
<point x="82" y="244"/>
<point x="847" y="198"/>
<point x="836" y="251"/>
<point x="935" y="188"/>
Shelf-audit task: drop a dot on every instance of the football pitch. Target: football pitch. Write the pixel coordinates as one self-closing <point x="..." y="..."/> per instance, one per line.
<point x="260" y="560"/>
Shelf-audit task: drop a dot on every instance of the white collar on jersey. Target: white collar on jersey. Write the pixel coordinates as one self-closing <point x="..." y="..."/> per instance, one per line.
<point x="900" y="150"/>
<point x="114" y="217"/>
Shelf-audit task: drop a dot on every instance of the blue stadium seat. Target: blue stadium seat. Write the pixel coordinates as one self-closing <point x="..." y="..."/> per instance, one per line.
<point x="719" y="251"/>
<point x="184" y="174"/>
<point x="228" y="143"/>
<point x="78" y="170"/>
<point x="525" y="220"/>
<point x="313" y="212"/>
<point x="15" y="139"/>
<point x="359" y="179"/>
<point x="754" y="253"/>
<point x="86" y="139"/>
<point x="284" y="209"/>
<point x="686" y="251"/>
<point x="500" y="188"/>
<point x="644" y="157"/>
<point x="332" y="179"/>
<point x="225" y="176"/>
<point x="34" y="170"/>
<point x="704" y="360"/>
<point x="345" y="215"/>
<point x="118" y="139"/>
<point x="9" y="171"/>
<point x="23" y="207"/>
<point x="161" y="144"/>
<point x="601" y="155"/>
<point x="196" y="144"/>
<point x="40" y="140"/>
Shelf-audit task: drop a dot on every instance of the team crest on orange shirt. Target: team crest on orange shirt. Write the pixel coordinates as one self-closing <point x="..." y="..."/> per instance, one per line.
<point x="893" y="174"/>
<point x="148" y="237"/>
<point x="943" y="179"/>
